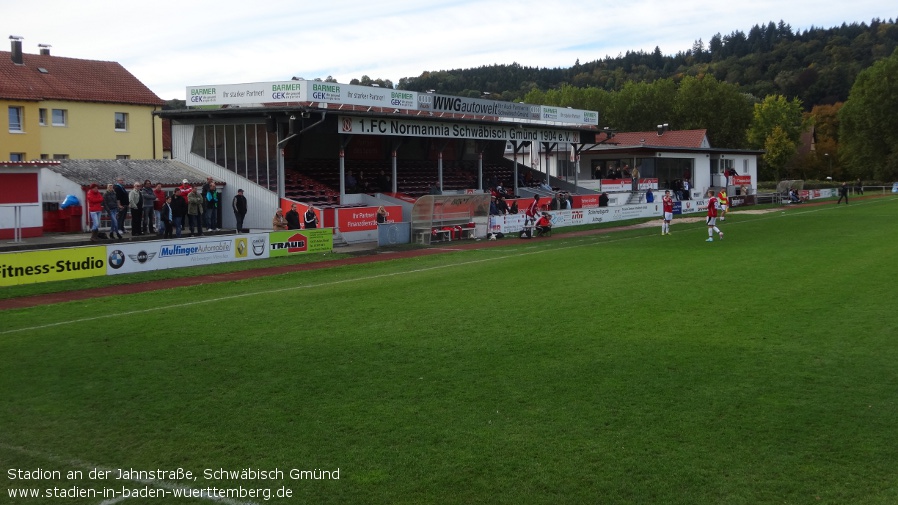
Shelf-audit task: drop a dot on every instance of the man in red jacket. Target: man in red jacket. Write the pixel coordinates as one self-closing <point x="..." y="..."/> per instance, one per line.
<point x="157" y="207"/>
<point x="95" y="209"/>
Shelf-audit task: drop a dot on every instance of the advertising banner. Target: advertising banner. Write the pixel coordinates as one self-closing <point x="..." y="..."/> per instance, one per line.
<point x="52" y="265"/>
<point x="742" y="180"/>
<point x="364" y="218"/>
<point x="400" y="127"/>
<point x="151" y="255"/>
<point x="372" y="96"/>
<point x="286" y="243"/>
<point x="627" y="184"/>
<point x="586" y="201"/>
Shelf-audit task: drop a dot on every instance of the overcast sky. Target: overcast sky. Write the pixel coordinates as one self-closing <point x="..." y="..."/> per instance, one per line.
<point x="170" y="45"/>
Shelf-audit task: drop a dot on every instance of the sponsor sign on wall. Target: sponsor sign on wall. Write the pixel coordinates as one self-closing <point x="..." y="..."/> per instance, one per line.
<point x="286" y="243"/>
<point x="52" y="265"/>
<point x="150" y="255"/>
<point x="411" y="128"/>
<point x="742" y="180"/>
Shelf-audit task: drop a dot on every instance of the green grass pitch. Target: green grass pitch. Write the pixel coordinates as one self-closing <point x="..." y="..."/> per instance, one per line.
<point x="620" y="368"/>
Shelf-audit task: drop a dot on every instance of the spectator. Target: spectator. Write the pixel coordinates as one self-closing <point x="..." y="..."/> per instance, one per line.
<point x="149" y="199"/>
<point x="859" y="187"/>
<point x="494" y="207"/>
<point x="502" y="205"/>
<point x="185" y="188"/>
<point x="544" y="225"/>
<point x="292" y="218"/>
<point x="649" y="196"/>
<point x="501" y="192"/>
<point x="165" y="214"/>
<point x="240" y="207"/>
<point x="381" y="215"/>
<point x="545" y="185"/>
<point x="279" y="223"/>
<point x="112" y="206"/>
<point x="514" y="207"/>
<point x="135" y="203"/>
<point x="195" y="212"/>
<point x="558" y="203"/>
<point x="178" y="211"/>
<point x="383" y="182"/>
<point x="207" y="184"/>
<point x="95" y="209"/>
<point x="210" y="200"/>
<point x="310" y="219"/>
<point x="603" y="200"/>
<point x="351" y="182"/>
<point x="157" y="205"/>
<point x="124" y="203"/>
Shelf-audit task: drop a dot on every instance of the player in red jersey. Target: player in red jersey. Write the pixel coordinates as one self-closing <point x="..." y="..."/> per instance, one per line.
<point x="532" y="211"/>
<point x="713" y="207"/>
<point x="667" y="209"/>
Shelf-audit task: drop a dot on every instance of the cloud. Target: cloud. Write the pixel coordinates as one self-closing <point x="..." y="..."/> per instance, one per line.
<point x="170" y="45"/>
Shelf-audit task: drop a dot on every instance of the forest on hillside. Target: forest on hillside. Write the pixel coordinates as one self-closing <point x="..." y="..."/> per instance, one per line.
<point x="817" y="66"/>
<point x="762" y="90"/>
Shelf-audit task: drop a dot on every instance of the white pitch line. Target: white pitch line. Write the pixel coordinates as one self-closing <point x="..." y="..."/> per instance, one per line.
<point x="74" y="463"/>
<point x="592" y="241"/>
<point x="291" y="288"/>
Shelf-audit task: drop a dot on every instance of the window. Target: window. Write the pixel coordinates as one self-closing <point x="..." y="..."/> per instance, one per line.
<point x="121" y="121"/>
<point x="15" y="120"/>
<point x="123" y="156"/>
<point x="45" y="156"/>
<point x="42" y="117"/>
<point x="60" y="156"/>
<point x="59" y="117"/>
<point x="16" y="156"/>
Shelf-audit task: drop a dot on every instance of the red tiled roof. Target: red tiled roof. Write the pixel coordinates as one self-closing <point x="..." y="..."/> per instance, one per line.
<point x="71" y="79"/>
<point x="671" y="138"/>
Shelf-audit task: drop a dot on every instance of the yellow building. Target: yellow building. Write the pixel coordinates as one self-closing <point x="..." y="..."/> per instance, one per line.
<point x="67" y="108"/>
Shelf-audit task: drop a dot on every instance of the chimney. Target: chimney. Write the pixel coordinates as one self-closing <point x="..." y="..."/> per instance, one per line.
<point x="45" y="49"/>
<point x="17" y="49"/>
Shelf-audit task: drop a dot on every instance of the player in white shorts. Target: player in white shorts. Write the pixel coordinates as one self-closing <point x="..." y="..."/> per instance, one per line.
<point x="713" y="207"/>
<point x="667" y="209"/>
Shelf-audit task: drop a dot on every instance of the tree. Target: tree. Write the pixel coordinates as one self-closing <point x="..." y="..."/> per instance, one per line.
<point x="773" y="111"/>
<point x="719" y="107"/>
<point x="869" y="126"/>
<point x="780" y="149"/>
<point x="641" y="106"/>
